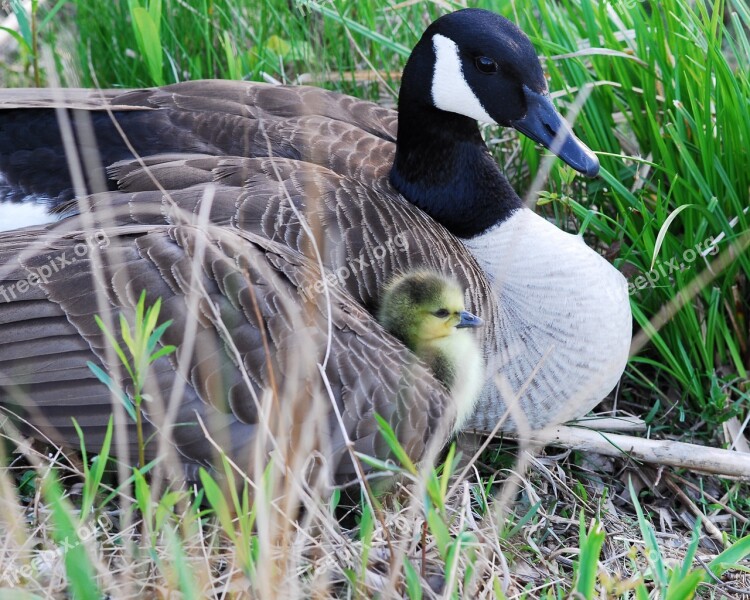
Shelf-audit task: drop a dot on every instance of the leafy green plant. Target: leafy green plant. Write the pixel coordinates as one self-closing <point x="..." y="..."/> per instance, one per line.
<point x="141" y="344"/>
<point x="681" y="582"/>
<point x="67" y="530"/>
<point x="241" y="510"/>
<point x="452" y="546"/>
<point x="155" y="515"/>
<point x="94" y="473"/>
<point x="26" y="34"/>
<point x="29" y="25"/>
<point x="588" y="563"/>
<point x="146" y="21"/>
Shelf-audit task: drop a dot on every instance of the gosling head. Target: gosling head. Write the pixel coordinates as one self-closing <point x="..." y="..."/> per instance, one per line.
<point x="424" y="307"/>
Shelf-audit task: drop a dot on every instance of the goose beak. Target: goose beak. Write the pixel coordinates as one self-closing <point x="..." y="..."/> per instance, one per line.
<point x="545" y="125"/>
<point x="469" y="320"/>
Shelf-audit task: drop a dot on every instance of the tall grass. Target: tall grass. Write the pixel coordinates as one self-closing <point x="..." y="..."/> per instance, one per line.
<point x="239" y="40"/>
<point x="670" y="116"/>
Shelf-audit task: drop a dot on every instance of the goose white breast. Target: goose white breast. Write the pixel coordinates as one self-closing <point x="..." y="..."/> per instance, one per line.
<point x="564" y="314"/>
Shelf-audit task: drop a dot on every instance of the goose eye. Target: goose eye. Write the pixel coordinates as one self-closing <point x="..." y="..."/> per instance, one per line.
<point x="442" y="313"/>
<point x="485" y="64"/>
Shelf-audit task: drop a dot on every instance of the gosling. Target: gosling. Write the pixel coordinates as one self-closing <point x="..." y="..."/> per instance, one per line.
<point x="426" y="311"/>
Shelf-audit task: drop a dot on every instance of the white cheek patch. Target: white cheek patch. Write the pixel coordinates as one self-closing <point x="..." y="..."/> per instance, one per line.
<point x="450" y="91"/>
<point x="15" y="216"/>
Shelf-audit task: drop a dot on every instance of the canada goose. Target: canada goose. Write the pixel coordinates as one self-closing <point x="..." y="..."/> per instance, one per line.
<point x="255" y="157"/>
<point x="426" y="311"/>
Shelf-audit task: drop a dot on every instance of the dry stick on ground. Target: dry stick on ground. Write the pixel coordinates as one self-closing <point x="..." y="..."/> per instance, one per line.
<point x="617" y="424"/>
<point x="662" y="452"/>
<point x="712" y="500"/>
<point x="710" y="528"/>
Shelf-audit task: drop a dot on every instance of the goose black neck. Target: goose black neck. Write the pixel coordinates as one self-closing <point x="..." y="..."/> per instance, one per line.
<point x="443" y="166"/>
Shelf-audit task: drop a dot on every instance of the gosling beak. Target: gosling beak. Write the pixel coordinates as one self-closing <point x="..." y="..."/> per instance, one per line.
<point x="469" y="320"/>
<point x="545" y="125"/>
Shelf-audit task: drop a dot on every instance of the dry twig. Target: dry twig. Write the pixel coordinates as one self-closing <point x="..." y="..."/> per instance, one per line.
<point x="727" y="463"/>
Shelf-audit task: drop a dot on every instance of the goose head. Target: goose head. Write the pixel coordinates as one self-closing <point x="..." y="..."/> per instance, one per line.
<point x="473" y="66"/>
<point x="425" y="308"/>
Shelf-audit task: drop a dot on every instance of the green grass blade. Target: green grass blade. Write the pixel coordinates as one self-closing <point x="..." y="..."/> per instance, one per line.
<point x="80" y="573"/>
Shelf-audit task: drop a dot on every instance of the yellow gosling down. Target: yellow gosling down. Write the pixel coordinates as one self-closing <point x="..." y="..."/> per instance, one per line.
<point x="426" y="311"/>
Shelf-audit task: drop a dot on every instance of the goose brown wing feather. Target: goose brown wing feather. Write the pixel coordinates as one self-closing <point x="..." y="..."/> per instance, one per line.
<point x="248" y="289"/>
<point x="82" y="98"/>
<point x="365" y="236"/>
<point x="259" y="100"/>
<point x="211" y="117"/>
<point x="361" y="231"/>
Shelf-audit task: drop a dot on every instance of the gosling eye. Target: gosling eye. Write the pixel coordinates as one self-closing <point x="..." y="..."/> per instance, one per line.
<point x="442" y="313"/>
<point x="485" y="64"/>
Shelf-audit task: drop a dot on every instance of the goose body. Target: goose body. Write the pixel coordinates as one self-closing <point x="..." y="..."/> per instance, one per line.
<point x="426" y="311"/>
<point x="332" y="181"/>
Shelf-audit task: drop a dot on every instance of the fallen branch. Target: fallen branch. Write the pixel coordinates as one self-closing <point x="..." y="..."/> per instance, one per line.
<point x="663" y="452"/>
<point x="706" y="523"/>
